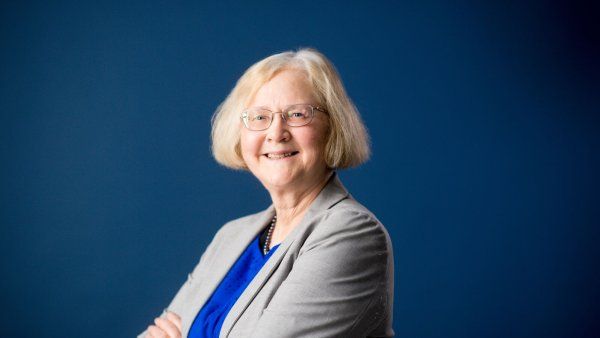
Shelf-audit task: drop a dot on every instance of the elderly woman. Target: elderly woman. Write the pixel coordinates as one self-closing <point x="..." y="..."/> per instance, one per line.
<point x="316" y="263"/>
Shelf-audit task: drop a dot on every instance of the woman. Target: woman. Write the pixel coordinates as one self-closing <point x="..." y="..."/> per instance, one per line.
<point x="316" y="263"/>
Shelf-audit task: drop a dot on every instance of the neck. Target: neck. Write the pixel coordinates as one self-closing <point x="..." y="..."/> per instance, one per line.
<point x="290" y="206"/>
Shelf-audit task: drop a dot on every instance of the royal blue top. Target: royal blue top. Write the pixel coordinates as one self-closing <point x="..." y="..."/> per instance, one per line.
<point x="210" y="319"/>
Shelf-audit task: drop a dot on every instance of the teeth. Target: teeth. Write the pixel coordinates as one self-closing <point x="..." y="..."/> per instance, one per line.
<point x="277" y="156"/>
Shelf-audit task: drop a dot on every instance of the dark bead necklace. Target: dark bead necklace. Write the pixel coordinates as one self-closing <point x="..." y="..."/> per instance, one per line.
<point x="269" y="232"/>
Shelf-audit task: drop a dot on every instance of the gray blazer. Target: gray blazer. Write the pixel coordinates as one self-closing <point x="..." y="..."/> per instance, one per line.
<point x="332" y="276"/>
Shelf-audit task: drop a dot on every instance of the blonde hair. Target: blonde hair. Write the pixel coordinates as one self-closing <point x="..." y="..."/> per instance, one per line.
<point x="348" y="141"/>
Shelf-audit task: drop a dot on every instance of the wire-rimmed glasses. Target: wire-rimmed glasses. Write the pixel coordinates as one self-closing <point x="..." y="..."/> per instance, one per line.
<point x="296" y="115"/>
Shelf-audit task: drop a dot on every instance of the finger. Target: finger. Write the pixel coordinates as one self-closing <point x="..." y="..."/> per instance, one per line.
<point x="175" y="319"/>
<point x="149" y="331"/>
<point x="156" y="332"/>
<point x="168" y="327"/>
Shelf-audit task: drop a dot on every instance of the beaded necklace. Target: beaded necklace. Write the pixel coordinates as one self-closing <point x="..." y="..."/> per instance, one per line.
<point x="269" y="232"/>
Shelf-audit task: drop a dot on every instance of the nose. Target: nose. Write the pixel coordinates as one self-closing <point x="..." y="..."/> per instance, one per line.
<point x="278" y="130"/>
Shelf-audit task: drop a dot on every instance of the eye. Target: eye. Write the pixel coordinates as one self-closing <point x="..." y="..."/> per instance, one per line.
<point x="297" y="114"/>
<point x="260" y="116"/>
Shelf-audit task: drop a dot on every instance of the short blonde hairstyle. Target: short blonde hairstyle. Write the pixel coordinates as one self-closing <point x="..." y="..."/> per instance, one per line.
<point x="348" y="141"/>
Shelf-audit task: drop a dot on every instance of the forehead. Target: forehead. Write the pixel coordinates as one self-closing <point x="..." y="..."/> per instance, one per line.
<point x="287" y="87"/>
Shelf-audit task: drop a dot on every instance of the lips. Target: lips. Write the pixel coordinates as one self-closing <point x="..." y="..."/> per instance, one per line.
<point x="280" y="155"/>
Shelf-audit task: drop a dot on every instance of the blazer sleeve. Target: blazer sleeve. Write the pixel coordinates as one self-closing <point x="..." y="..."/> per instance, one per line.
<point x="178" y="301"/>
<point x="338" y="286"/>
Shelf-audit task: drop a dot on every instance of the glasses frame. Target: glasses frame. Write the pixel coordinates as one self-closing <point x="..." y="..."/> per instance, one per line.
<point x="244" y="115"/>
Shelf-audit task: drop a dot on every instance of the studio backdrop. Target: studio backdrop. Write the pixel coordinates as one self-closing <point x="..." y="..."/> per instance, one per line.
<point x="484" y="130"/>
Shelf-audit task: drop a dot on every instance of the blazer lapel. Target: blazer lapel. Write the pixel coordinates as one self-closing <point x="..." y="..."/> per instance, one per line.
<point x="219" y="266"/>
<point x="332" y="193"/>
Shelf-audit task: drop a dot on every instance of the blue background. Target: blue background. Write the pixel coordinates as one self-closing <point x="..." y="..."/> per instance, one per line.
<point x="484" y="123"/>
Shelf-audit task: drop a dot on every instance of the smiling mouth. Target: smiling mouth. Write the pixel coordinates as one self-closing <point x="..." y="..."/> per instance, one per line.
<point x="280" y="156"/>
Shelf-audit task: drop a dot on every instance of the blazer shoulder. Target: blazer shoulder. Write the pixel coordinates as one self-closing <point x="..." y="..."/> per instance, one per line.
<point x="351" y="222"/>
<point x="353" y="215"/>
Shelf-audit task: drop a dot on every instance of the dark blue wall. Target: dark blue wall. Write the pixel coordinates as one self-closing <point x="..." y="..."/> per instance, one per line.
<point x="484" y="122"/>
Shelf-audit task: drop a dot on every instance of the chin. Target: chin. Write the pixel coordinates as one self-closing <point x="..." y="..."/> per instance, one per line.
<point x="277" y="181"/>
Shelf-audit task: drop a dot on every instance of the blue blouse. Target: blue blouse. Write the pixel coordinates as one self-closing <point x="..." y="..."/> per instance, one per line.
<point x="210" y="319"/>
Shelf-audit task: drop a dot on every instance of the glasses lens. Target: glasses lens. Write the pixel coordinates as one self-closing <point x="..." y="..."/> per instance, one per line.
<point x="258" y="119"/>
<point x="298" y="115"/>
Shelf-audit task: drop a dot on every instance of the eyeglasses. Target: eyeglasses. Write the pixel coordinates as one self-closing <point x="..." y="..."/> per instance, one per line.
<point x="296" y="115"/>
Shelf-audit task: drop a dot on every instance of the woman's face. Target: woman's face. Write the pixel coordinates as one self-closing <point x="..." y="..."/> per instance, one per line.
<point x="262" y="150"/>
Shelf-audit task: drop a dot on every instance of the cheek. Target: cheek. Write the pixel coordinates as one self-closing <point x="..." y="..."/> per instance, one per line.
<point x="251" y="146"/>
<point x="248" y="142"/>
<point x="314" y="143"/>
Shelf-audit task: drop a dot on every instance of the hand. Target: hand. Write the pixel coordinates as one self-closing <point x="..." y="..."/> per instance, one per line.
<point x="169" y="327"/>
